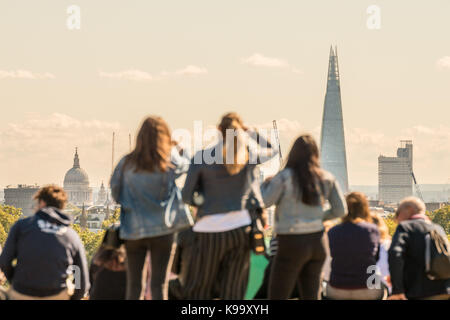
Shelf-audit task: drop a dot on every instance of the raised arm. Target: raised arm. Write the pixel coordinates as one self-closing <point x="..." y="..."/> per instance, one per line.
<point x="272" y="189"/>
<point x="116" y="181"/>
<point x="191" y="184"/>
<point x="338" y="206"/>
<point x="181" y="160"/>
<point x="261" y="150"/>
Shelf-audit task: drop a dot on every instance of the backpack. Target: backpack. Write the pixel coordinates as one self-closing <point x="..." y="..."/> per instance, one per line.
<point x="437" y="256"/>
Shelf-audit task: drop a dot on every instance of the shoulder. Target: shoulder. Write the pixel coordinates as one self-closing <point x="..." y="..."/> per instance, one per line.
<point x="23" y="222"/>
<point x="285" y="174"/>
<point x="73" y="237"/>
<point x="337" y="228"/>
<point x="327" y="176"/>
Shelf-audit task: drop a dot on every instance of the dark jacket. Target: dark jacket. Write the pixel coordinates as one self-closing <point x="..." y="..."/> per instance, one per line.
<point x="107" y="284"/>
<point x="221" y="191"/>
<point x="45" y="247"/>
<point x="407" y="261"/>
<point x="353" y="248"/>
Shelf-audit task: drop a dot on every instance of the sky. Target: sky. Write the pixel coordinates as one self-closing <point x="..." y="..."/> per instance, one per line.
<point x="194" y="60"/>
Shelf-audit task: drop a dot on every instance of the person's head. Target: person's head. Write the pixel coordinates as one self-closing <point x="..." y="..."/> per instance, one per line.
<point x="51" y="196"/>
<point x="303" y="160"/>
<point x="235" y="153"/>
<point x="112" y="259"/>
<point x="382" y="227"/>
<point x="408" y="207"/>
<point x="358" y="208"/>
<point x="153" y="146"/>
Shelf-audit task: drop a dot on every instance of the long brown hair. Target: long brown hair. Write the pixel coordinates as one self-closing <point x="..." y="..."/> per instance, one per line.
<point x="232" y="121"/>
<point x="112" y="259"/>
<point x="358" y="208"/>
<point x="303" y="160"/>
<point x="153" y="146"/>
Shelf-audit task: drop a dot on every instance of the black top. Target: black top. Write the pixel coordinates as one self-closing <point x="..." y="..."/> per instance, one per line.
<point x="45" y="248"/>
<point x="407" y="261"/>
<point x="107" y="284"/>
<point x="353" y="248"/>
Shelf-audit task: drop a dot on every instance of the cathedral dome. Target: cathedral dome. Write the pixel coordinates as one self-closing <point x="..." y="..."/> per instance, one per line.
<point x="76" y="175"/>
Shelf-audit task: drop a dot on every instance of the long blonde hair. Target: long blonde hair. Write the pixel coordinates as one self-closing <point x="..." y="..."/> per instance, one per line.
<point x="232" y="121"/>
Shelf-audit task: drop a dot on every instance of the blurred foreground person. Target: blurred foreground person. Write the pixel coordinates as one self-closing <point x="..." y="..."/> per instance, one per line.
<point x="143" y="183"/>
<point x="49" y="253"/>
<point x="108" y="274"/>
<point x="407" y="255"/>
<point x="354" y="249"/>
<point x="299" y="193"/>
<point x="228" y="185"/>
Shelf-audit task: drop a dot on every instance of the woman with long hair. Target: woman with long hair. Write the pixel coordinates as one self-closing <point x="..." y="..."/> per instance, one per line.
<point x="354" y="247"/>
<point x="224" y="176"/>
<point x="142" y="183"/>
<point x="300" y="192"/>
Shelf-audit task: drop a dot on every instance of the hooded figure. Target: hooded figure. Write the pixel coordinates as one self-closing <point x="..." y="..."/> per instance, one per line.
<point x="44" y="258"/>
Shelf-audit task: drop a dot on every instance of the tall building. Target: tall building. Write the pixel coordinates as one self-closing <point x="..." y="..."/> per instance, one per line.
<point x="76" y="184"/>
<point x="21" y="196"/>
<point x="395" y="174"/>
<point x="332" y="140"/>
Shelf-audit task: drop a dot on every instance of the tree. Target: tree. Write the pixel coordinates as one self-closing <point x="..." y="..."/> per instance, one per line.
<point x="8" y="216"/>
<point x="91" y="240"/>
<point x="441" y="217"/>
<point x="391" y="224"/>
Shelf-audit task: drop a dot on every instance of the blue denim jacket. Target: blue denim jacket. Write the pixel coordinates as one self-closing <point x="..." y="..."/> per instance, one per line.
<point x="139" y="193"/>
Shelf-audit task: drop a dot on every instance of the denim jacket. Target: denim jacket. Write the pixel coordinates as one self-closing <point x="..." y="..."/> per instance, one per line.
<point x="292" y="216"/>
<point x="139" y="193"/>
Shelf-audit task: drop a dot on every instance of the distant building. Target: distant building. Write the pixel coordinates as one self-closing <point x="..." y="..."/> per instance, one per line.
<point x="433" y="206"/>
<point x="76" y="184"/>
<point x="102" y="195"/>
<point x="395" y="174"/>
<point x="332" y="138"/>
<point x="21" y="196"/>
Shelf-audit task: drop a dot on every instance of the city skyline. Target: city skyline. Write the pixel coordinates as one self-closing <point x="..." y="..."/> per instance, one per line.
<point x="65" y="88"/>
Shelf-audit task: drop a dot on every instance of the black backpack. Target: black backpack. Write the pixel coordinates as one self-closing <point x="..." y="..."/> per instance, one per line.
<point x="437" y="256"/>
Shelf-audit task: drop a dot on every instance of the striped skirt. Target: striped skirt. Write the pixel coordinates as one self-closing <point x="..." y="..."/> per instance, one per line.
<point x="219" y="265"/>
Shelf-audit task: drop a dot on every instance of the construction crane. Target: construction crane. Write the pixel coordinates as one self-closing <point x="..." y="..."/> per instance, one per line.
<point x="278" y="141"/>
<point x="416" y="185"/>
<point x="419" y="192"/>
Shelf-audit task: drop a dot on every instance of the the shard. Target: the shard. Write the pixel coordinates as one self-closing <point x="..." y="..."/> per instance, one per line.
<point x="332" y="140"/>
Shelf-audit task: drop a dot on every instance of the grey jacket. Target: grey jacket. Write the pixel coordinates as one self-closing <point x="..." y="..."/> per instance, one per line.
<point x="221" y="191"/>
<point x="292" y="216"/>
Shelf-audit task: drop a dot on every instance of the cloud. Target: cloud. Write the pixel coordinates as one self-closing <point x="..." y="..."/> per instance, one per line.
<point x="25" y="74"/>
<point x="444" y="62"/>
<point x="138" y="75"/>
<point x="131" y="74"/>
<point x="259" y="60"/>
<point x="191" y="70"/>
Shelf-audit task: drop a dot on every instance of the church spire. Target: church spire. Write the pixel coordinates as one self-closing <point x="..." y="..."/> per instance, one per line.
<point x="76" y="159"/>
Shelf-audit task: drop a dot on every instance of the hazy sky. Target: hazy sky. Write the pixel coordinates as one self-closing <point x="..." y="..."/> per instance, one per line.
<point x="197" y="59"/>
